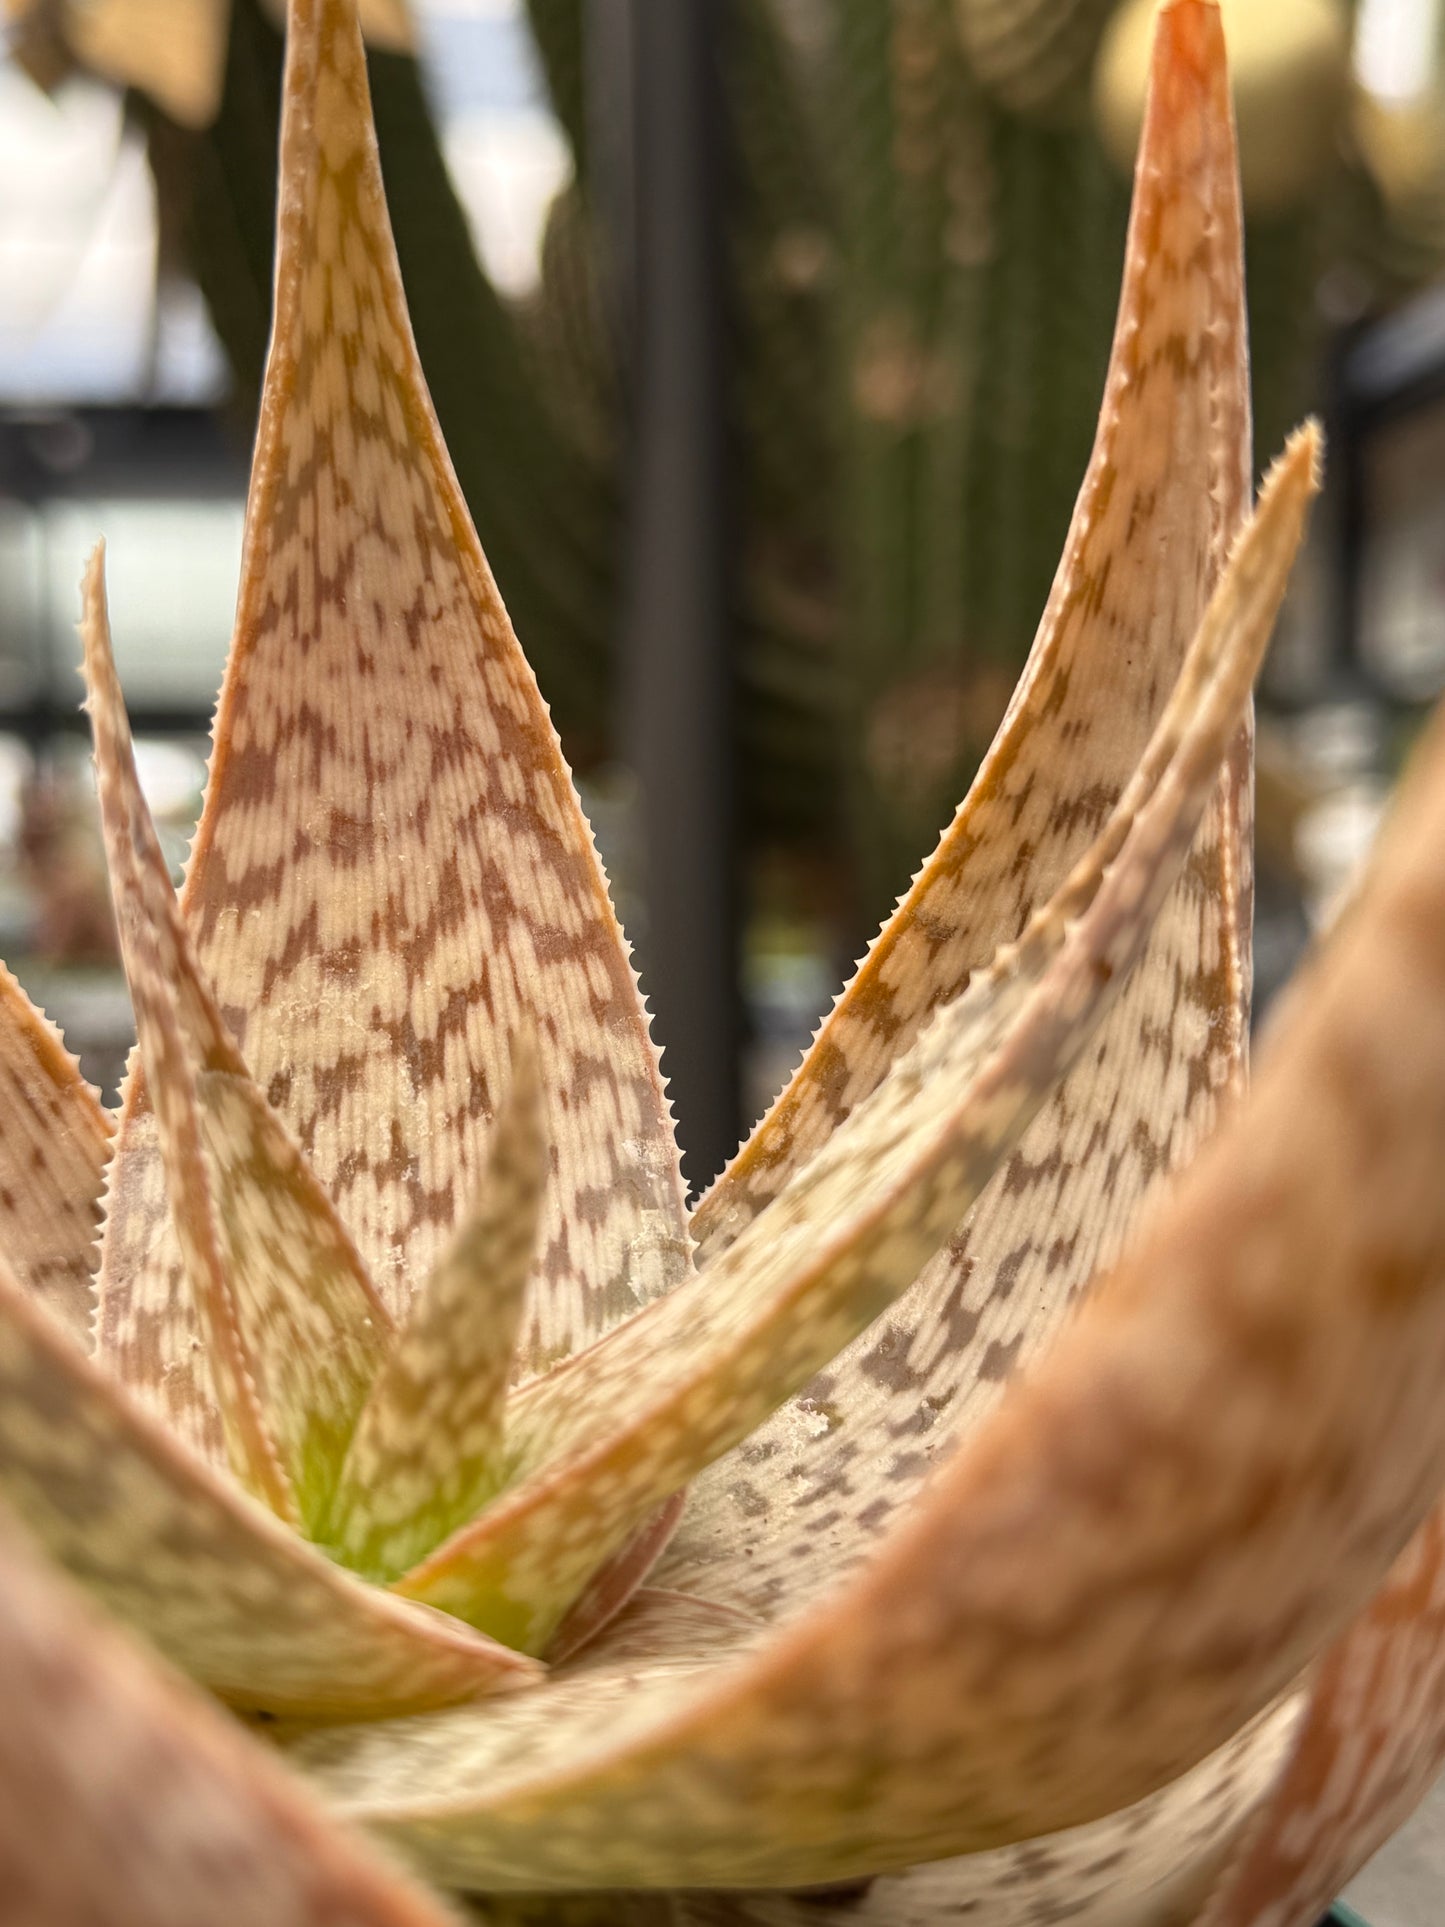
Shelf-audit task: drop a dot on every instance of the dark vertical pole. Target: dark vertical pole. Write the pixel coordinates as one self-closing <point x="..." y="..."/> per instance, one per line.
<point x="677" y="682"/>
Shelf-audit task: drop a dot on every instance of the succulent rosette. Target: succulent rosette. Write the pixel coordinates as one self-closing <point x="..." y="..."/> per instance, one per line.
<point x="1005" y="1497"/>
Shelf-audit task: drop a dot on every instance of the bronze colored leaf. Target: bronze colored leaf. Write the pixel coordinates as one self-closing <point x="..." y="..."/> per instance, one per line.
<point x="219" y="1585"/>
<point x="131" y="1803"/>
<point x="427" y="1448"/>
<point x="54" y="1141"/>
<point x="295" y="1333"/>
<point x="392" y="871"/>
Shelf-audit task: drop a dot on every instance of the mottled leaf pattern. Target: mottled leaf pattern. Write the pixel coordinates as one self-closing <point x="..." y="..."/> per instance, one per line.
<point x="1165" y="493"/>
<point x="1371" y="1747"/>
<point x="1145" y="1867"/>
<point x="54" y="1141"/>
<point x="1155" y="1532"/>
<point x="1048" y="1598"/>
<point x="295" y="1332"/>
<point x="392" y="870"/>
<point x="607" y="1436"/>
<point x="218" y="1584"/>
<point x="816" y="1489"/>
<point x="427" y="1448"/>
<point x="131" y="1803"/>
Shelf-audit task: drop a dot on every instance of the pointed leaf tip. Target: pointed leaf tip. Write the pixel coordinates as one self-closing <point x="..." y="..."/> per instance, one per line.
<point x="294" y="1332"/>
<point x="1166" y="491"/>
<point x="392" y="868"/>
<point x="428" y="1447"/>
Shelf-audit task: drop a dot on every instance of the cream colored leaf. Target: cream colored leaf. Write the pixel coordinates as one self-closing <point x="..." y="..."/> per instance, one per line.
<point x="1166" y="491"/>
<point x="816" y="1489"/>
<point x="213" y="1580"/>
<point x="427" y="1448"/>
<point x="1155" y="1532"/>
<point x="131" y="1803"/>
<point x="1142" y="1867"/>
<point x="295" y="1332"/>
<point x="1370" y="1748"/>
<point x="605" y="1438"/>
<point x="392" y="872"/>
<point x="54" y="1141"/>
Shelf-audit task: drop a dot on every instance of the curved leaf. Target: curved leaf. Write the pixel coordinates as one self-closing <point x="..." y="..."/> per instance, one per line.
<point x="815" y="1490"/>
<point x="392" y="870"/>
<point x="213" y="1580"/>
<point x="131" y="1803"/>
<point x="605" y="1438"/>
<point x="1156" y="1530"/>
<point x="295" y="1333"/>
<point x="1370" y="1748"/>
<point x="54" y="1141"/>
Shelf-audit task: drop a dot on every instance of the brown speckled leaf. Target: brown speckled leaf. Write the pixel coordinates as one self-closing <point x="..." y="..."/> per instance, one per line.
<point x="54" y="1141"/>
<point x="1371" y="1746"/>
<point x="296" y="1334"/>
<point x="392" y="870"/>
<point x="711" y="1774"/>
<point x="212" y="1579"/>
<point x="1166" y="490"/>
<point x="816" y="1489"/>
<point x="1158" y="1528"/>
<point x="1144" y="1867"/>
<point x="131" y="1803"/>
<point x="606" y="1437"/>
<point x="427" y="1447"/>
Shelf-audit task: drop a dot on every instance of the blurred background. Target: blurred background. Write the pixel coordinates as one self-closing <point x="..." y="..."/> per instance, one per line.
<point x="768" y="338"/>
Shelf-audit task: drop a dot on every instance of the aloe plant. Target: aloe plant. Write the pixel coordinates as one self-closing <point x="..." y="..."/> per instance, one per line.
<point x="950" y="1518"/>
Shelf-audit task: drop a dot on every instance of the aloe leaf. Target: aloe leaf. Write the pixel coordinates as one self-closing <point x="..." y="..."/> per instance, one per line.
<point x="1140" y="1867"/>
<point x="1166" y="491"/>
<point x="427" y="1447"/>
<point x="1370" y="1748"/>
<point x="605" y="1438"/>
<point x="296" y="1333"/>
<point x="392" y="872"/>
<point x="216" y="1582"/>
<point x="1145" y="1867"/>
<point x="1167" y="485"/>
<point x="130" y="1800"/>
<point x="614" y="1585"/>
<point x="54" y="1142"/>
<point x="1157" y="1530"/>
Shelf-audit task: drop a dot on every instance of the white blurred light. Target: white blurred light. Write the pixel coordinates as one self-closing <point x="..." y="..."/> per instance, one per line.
<point x="1395" y="43"/>
<point x="78" y="317"/>
<point x="507" y="168"/>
